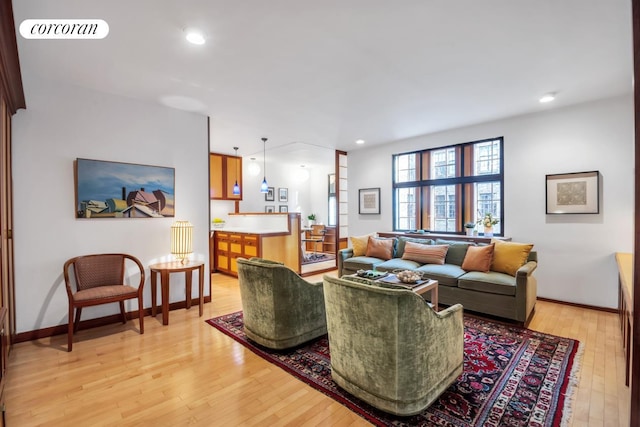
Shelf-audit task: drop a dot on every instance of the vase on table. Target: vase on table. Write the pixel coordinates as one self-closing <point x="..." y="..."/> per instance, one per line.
<point x="488" y="231"/>
<point x="469" y="231"/>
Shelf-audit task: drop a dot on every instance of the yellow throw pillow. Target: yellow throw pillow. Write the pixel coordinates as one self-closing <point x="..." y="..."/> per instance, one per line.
<point x="359" y="244"/>
<point x="478" y="258"/>
<point x="508" y="257"/>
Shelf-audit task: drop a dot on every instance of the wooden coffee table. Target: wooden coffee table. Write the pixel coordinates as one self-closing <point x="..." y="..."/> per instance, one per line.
<point x="421" y="288"/>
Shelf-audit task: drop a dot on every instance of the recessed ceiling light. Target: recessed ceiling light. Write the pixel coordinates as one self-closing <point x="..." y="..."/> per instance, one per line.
<point x="548" y="98"/>
<point x="194" y="36"/>
<point x="360" y="141"/>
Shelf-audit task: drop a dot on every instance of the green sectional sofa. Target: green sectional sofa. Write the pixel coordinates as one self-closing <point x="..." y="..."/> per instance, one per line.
<point x="509" y="296"/>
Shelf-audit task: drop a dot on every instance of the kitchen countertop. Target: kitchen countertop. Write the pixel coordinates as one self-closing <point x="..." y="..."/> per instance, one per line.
<point x="248" y="230"/>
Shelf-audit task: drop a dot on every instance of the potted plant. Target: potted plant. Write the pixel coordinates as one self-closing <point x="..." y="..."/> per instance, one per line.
<point x="469" y="226"/>
<point x="312" y="219"/>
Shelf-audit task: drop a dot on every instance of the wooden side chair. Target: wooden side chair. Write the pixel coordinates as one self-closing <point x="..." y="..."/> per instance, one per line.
<point x="100" y="279"/>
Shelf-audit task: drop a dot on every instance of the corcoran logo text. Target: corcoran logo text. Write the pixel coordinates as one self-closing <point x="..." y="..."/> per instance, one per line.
<point x="64" y="29"/>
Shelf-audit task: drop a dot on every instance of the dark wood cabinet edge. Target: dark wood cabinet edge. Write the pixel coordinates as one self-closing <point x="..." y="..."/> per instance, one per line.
<point x="10" y="63"/>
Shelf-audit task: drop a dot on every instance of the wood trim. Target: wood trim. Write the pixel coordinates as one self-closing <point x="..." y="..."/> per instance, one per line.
<point x="573" y="304"/>
<point x="10" y="77"/>
<point x="634" y="419"/>
<point x="100" y="321"/>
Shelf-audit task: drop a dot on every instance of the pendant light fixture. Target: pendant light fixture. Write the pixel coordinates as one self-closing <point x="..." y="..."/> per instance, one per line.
<point x="264" y="188"/>
<point x="236" y="187"/>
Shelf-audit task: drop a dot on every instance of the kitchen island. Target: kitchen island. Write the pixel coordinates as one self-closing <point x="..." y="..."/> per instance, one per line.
<point x="273" y="236"/>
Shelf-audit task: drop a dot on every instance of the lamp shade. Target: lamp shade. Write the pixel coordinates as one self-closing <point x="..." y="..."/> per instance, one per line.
<point x="181" y="239"/>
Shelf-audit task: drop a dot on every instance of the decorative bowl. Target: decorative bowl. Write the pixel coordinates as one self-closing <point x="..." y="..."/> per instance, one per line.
<point x="408" y="276"/>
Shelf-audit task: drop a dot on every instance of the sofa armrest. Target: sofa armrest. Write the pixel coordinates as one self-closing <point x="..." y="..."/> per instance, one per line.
<point x="526" y="269"/>
<point x="343" y="254"/>
<point x="526" y="291"/>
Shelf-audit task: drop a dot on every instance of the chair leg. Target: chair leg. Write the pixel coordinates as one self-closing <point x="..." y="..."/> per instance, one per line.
<point x="76" y="324"/>
<point x="70" y="329"/>
<point x="141" y="315"/>
<point x="124" y="316"/>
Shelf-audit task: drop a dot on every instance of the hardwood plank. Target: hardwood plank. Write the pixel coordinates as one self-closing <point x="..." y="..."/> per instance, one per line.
<point x="189" y="373"/>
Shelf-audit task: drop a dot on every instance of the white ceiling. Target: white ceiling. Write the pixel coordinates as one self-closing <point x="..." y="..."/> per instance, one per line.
<point x="325" y="73"/>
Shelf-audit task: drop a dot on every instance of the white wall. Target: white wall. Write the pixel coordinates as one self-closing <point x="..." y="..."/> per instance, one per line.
<point x="575" y="252"/>
<point x="304" y="196"/>
<point x="61" y="124"/>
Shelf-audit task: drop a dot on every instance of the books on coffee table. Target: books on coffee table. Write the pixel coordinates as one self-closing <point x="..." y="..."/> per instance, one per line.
<point x="393" y="280"/>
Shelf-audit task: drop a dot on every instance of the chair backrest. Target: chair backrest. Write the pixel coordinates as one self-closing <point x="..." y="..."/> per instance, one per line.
<point x="364" y="317"/>
<point x="280" y="307"/>
<point x="91" y="271"/>
<point x="273" y="282"/>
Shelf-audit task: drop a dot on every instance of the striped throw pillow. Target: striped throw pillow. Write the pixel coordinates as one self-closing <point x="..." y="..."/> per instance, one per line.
<point x="425" y="254"/>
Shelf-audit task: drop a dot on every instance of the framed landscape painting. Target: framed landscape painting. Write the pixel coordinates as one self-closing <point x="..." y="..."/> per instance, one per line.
<point x="107" y="189"/>
<point x="573" y="193"/>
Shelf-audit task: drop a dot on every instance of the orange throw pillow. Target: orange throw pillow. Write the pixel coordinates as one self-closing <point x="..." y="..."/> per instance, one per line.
<point x="478" y="258"/>
<point x="380" y="248"/>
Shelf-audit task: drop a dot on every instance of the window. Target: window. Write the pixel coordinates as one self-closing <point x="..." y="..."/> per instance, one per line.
<point x="443" y="188"/>
<point x="333" y="210"/>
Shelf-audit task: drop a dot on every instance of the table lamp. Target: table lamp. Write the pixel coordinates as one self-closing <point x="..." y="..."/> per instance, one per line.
<point x="182" y="240"/>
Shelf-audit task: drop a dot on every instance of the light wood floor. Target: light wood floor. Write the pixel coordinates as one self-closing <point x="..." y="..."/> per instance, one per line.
<point x="188" y="373"/>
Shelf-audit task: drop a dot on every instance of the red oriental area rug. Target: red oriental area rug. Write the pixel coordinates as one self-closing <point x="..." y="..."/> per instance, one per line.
<point x="512" y="377"/>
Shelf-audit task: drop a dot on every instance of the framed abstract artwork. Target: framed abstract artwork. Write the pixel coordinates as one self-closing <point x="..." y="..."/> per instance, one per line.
<point x="369" y="203"/>
<point x="573" y="193"/>
<point x="107" y="189"/>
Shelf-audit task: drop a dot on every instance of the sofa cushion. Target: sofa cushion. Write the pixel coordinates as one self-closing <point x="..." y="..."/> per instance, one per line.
<point x="402" y="240"/>
<point x="380" y="247"/>
<point x="457" y="250"/>
<point x="425" y="254"/>
<point x="359" y="244"/>
<point x="361" y="263"/>
<point x="398" y="264"/>
<point x="508" y="257"/>
<point x="492" y="282"/>
<point x="445" y="274"/>
<point x="478" y="258"/>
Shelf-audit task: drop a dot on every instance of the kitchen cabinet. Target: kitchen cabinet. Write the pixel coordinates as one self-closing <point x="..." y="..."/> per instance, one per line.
<point x="228" y="247"/>
<point x="224" y="170"/>
<point x="274" y="236"/>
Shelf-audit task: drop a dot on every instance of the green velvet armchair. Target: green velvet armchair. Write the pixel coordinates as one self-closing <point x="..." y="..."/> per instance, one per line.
<point x="281" y="309"/>
<point x="389" y="347"/>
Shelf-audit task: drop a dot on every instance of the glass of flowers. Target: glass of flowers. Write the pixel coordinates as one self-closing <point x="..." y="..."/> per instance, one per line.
<point x="488" y="221"/>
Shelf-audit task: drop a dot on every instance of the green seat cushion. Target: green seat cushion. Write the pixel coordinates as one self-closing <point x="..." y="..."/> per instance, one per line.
<point x="398" y="264"/>
<point x="457" y="250"/>
<point x="361" y="263"/>
<point x="445" y="274"/>
<point x="491" y="282"/>
<point x="402" y="240"/>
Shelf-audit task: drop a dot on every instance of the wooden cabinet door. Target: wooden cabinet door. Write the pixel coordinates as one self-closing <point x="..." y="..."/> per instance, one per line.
<point x="221" y="249"/>
<point x="216" y="186"/>
<point x="224" y="171"/>
<point x="250" y="246"/>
